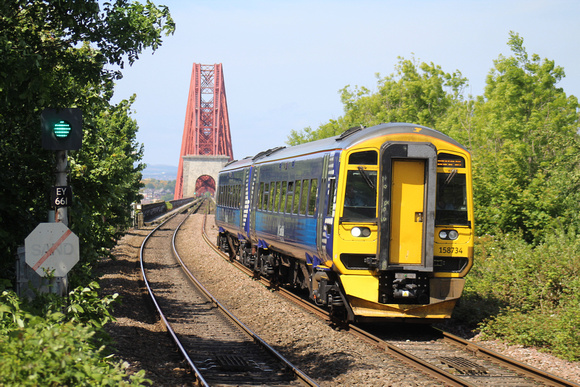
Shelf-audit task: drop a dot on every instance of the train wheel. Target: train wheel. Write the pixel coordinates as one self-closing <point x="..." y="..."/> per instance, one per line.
<point x="233" y="247"/>
<point x="222" y="243"/>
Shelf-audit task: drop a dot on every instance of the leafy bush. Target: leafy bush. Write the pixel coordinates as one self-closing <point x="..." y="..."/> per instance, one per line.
<point x="556" y="332"/>
<point x="527" y="295"/>
<point x="47" y="346"/>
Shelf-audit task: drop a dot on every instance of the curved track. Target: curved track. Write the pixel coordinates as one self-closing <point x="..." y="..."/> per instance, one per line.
<point x="217" y="347"/>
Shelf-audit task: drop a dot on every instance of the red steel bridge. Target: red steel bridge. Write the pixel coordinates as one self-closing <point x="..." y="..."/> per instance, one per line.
<point x="206" y="145"/>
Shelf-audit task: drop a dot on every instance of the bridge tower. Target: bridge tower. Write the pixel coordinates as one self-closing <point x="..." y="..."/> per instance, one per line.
<point x="206" y="145"/>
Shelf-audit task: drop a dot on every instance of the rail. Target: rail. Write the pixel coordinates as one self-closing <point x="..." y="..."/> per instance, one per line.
<point x="199" y="372"/>
<point x="522" y="368"/>
<point x="200" y="380"/>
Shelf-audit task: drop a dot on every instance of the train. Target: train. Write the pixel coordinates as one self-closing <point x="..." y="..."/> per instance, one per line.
<point x="376" y="224"/>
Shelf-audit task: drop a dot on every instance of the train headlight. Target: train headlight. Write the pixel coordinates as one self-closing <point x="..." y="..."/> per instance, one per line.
<point x="360" y="232"/>
<point x="448" y="234"/>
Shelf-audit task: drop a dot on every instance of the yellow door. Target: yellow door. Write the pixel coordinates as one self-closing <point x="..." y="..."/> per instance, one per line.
<point x="407" y="201"/>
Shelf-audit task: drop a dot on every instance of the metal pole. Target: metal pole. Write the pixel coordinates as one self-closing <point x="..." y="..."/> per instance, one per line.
<point x="61" y="213"/>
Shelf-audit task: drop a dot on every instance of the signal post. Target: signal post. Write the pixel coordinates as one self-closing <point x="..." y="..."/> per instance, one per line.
<point x="52" y="247"/>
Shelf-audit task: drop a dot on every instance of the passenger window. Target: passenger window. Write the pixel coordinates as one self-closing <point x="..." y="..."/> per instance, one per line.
<point x="331" y="197"/>
<point x="290" y="197"/>
<point x="363" y="158"/>
<point x="283" y="197"/>
<point x="312" y="198"/>
<point x="272" y="196"/>
<point x="261" y="196"/>
<point x="277" y="200"/>
<point x="304" y="199"/>
<point x="297" y="193"/>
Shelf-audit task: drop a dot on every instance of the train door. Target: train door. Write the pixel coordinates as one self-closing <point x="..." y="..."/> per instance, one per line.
<point x="256" y="196"/>
<point x="408" y="179"/>
<point x="247" y="186"/>
<point x="321" y="236"/>
<point x="408" y="173"/>
<point x="327" y="208"/>
<point x="407" y="212"/>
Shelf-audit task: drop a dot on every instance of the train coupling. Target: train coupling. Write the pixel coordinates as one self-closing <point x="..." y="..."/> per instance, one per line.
<point x="403" y="288"/>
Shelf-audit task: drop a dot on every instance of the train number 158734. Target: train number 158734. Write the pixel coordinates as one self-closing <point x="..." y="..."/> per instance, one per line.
<point x="450" y="250"/>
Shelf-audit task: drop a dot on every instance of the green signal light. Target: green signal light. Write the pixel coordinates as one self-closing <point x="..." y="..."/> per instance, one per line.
<point x="61" y="129"/>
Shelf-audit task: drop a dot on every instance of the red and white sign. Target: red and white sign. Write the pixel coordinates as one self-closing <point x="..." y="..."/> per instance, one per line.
<point x="51" y="247"/>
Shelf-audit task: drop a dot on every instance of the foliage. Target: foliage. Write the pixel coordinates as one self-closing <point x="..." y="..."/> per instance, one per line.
<point x="527" y="157"/>
<point x="159" y="184"/>
<point x="58" y="346"/>
<point x="418" y="93"/>
<point x="56" y="54"/>
<point x="525" y="294"/>
<point x="83" y="305"/>
<point x="108" y="162"/>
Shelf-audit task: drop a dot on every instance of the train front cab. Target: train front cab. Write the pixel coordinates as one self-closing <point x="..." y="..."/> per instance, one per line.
<point x="404" y="258"/>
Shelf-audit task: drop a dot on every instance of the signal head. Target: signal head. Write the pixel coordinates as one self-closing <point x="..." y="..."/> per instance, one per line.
<point x="61" y="129"/>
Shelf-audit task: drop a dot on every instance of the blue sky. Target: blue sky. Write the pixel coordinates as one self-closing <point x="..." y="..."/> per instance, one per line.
<point x="285" y="61"/>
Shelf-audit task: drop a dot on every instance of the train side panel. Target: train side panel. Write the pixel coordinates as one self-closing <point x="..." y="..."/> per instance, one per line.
<point x="286" y="203"/>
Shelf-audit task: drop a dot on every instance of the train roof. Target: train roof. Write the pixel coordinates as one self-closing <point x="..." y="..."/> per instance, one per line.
<point x="345" y="140"/>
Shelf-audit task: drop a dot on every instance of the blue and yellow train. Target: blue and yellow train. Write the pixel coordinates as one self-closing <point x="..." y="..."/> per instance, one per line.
<point x="376" y="223"/>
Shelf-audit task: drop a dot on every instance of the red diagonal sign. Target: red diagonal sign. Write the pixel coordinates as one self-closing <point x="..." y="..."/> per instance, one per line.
<point x="52" y="249"/>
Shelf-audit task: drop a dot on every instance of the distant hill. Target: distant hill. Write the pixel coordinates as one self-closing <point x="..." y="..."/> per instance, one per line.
<point x="160" y="172"/>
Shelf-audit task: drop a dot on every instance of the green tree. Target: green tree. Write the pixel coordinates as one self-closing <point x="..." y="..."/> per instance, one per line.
<point x="56" y="53"/>
<point x="106" y="173"/>
<point x="527" y="152"/>
<point x="420" y="93"/>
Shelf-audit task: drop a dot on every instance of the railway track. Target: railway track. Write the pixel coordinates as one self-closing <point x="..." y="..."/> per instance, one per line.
<point x="442" y="356"/>
<point x="218" y="348"/>
<point x="446" y="356"/>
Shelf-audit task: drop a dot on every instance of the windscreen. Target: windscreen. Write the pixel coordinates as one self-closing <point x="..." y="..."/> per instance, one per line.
<point x="360" y="199"/>
<point x="451" y="199"/>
